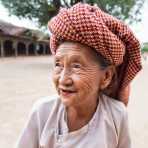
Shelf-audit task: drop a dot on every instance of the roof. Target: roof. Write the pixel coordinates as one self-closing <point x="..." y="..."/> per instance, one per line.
<point x="12" y="30"/>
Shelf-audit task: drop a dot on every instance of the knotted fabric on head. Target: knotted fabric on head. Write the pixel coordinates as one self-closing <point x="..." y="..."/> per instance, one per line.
<point x="107" y="35"/>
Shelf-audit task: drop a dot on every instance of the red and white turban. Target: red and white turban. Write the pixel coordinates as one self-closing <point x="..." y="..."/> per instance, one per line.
<point x="109" y="36"/>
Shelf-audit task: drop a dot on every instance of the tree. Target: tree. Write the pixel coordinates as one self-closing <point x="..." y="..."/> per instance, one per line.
<point x="43" y="10"/>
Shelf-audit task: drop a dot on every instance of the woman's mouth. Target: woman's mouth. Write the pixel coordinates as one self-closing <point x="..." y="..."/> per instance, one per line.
<point x="66" y="92"/>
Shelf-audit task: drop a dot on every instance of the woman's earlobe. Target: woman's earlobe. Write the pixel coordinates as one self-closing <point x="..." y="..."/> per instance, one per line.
<point x="107" y="77"/>
<point x="104" y="84"/>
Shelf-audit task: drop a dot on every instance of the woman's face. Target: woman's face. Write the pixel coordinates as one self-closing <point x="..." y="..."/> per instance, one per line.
<point x="76" y="74"/>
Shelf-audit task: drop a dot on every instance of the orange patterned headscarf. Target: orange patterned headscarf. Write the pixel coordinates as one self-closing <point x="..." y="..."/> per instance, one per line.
<point x="107" y="35"/>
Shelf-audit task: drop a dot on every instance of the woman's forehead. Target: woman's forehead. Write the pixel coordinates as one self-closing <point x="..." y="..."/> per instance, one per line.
<point x="73" y="48"/>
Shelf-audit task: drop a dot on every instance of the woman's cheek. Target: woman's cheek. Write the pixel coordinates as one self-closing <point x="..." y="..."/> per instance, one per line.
<point x="83" y="81"/>
<point x="88" y="80"/>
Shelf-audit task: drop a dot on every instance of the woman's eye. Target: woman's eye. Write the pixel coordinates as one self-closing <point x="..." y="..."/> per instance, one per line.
<point x="76" y="65"/>
<point x="58" y="67"/>
<point x="57" y="64"/>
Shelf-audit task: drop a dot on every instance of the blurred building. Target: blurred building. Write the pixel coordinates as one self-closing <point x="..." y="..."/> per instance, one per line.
<point x="19" y="41"/>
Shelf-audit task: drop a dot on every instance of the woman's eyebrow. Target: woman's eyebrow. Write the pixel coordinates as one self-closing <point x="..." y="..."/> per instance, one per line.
<point x="77" y="58"/>
<point x="72" y="58"/>
<point x="58" y="57"/>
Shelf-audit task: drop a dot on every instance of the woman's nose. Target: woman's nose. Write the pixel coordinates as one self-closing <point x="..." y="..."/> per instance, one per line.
<point x="65" y="78"/>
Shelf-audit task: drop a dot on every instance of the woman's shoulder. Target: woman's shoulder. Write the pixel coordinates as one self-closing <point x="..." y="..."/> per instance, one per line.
<point x="116" y="112"/>
<point x="45" y="108"/>
<point x="115" y="106"/>
<point x="40" y="113"/>
<point x="45" y="101"/>
<point x="45" y="104"/>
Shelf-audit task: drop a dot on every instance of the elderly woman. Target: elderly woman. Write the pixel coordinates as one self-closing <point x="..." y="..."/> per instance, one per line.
<point x="96" y="57"/>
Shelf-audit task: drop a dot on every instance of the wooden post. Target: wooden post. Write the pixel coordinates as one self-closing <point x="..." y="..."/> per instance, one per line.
<point x="15" y="47"/>
<point x="35" y="49"/>
<point x="27" y="49"/>
<point x="2" y="47"/>
<point x="44" y="49"/>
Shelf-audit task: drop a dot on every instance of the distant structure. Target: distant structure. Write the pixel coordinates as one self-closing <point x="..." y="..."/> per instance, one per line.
<point x="19" y="41"/>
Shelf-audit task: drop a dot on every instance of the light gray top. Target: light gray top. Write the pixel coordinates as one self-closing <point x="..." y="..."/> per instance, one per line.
<point x="47" y="127"/>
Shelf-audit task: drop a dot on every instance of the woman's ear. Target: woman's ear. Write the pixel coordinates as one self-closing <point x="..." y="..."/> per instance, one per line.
<point x="107" y="77"/>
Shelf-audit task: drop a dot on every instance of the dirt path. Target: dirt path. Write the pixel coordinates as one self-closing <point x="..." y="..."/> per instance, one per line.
<point x="23" y="80"/>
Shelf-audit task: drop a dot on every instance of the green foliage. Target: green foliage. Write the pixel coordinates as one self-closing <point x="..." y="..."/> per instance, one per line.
<point x="43" y="10"/>
<point x="145" y="49"/>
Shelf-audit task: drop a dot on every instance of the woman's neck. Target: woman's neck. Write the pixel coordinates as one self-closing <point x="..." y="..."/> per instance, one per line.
<point x="79" y="116"/>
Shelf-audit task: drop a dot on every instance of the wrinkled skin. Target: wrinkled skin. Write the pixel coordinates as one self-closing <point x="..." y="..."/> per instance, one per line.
<point x="78" y="79"/>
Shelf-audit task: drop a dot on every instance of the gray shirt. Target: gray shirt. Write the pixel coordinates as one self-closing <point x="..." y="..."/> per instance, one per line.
<point x="47" y="127"/>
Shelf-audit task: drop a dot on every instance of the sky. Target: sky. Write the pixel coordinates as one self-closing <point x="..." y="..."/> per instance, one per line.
<point x="140" y="29"/>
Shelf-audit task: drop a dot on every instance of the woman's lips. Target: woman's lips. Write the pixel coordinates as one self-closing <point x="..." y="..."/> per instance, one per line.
<point x="66" y="92"/>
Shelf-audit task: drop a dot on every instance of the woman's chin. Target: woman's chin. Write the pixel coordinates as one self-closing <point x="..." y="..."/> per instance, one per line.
<point x="67" y="101"/>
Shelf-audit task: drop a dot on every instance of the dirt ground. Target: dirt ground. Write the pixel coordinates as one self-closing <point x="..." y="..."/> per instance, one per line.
<point x="23" y="80"/>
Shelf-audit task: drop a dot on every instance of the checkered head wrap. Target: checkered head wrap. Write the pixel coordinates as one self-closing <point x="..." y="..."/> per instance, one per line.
<point x="107" y="35"/>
